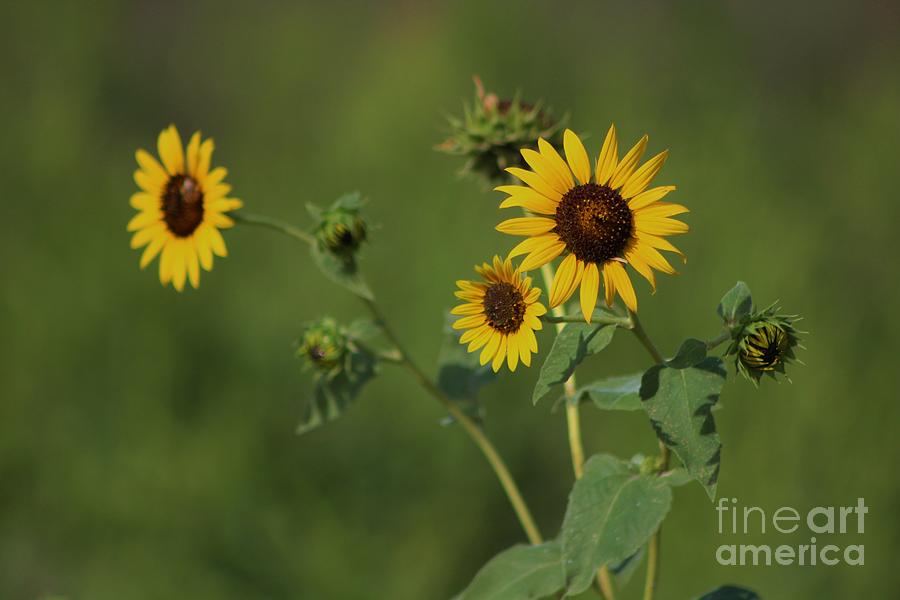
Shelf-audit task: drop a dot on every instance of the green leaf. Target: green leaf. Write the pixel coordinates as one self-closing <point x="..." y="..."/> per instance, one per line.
<point x="623" y="570"/>
<point x="613" y="510"/>
<point x="460" y="376"/>
<point x="676" y="477"/>
<point x="335" y="391"/>
<point x="572" y="345"/>
<point x="678" y="396"/>
<point x="736" y="304"/>
<point x="613" y="393"/>
<point x="730" y="592"/>
<point x="519" y="573"/>
<point x="341" y="270"/>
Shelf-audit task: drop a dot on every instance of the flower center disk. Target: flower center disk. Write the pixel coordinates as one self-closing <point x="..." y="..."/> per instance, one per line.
<point x="504" y="307"/>
<point x="182" y="204"/>
<point x="594" y="222"/>
<point x="765" y="349"/>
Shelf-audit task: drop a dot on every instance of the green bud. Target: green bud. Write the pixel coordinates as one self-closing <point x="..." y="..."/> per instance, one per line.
<point x="492" y="133"/>
<point x="323" y="344"/>
<point x="341" y="231"/>
<point x="763" y="343"/>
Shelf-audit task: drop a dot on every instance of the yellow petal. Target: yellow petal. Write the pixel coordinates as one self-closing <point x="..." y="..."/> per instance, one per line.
<point x="641" y="266"/>
<point x="170" y="150"/>
<point x="628" y="163"/>
<point x="144" y="219"/>
<point x="609" y="285"/>
<point x="468" y="309"/>
<point x="659" y="225"/>
<point x="623" y="284"/>
<point x="501" y="354"/>
<point x="215" y="240"/>
<point x="526" y="225"/>
<point x="179" y="265"/>
<point x="542" y="256"/>
<point x="662" y="209"/>
<point x="151" y="166"/>
<point x="659" y="243"/>
<point x="512" y="351"/>
<point x="654" y="259"/>
<point x="524" y="346"/>
<point x="219" y="220"/>
<point x="222" y="205"/>
<point x="556" y="161"/>
<point x="540" y="165"/>
<point x="143" y="236"/>
<point x="528" y="199"/>
<point x="566" y="280"/>
<point x="641" y="178"/>
<point x="193" y="154"/>
<point x="193" y="264"/>
<point x="649" y="197"/>
<point x="148" y="183"/>
<point x="609" y="155"/>
<point x="538" y="242"/>
<point x="152" y="250"/>
<point x="483" y="335"/>
<point x="165" y="262"/>
<point x="215" y="177"/>
<point x="469" y="322"/>
<point x="490" y="348"/>
<point x="204" y="253"/>
<point x="535" y="182"/>
<point x="577" y="156"/>
<point x="471" y="334"/>
<point x="530" y="340"/>
<point x="204" y="158"/>
<point x="144" y="201"/>
<point x="590" y="287"/>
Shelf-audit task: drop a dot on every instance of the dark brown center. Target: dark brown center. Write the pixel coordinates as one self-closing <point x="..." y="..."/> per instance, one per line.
<point x="594" y="222"/>
<point x="504" y="307"/>
<point x="182" y="204"/>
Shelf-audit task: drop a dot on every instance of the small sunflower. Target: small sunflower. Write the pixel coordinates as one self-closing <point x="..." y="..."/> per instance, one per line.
<point x="182" y="206"/>
<point x="601" y="225"/>
<point x="501" y="315"/>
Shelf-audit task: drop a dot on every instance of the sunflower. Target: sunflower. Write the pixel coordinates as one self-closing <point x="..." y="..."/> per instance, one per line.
<point x="601" y="225"/>
<point x="182" y="206"/>
<point x="500" y="315"/>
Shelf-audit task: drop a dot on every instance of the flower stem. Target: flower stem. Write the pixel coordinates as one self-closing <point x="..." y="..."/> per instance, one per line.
<point x="653" y="546"/>
<point x="573" y="423"/>
<point x="400" y="356"/>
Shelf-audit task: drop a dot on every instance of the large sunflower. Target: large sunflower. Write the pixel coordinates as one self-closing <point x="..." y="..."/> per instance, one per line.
<point x="182" y="206"/>
<point x="500" y="315"/>
<point x="601" y="225"/>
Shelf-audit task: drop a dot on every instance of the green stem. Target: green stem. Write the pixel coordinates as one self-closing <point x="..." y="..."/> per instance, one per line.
<point x="653" y="546"/>
<point x="400" y="356"/>
<point x="474" y="431"/>
<point x="723" y="337"/>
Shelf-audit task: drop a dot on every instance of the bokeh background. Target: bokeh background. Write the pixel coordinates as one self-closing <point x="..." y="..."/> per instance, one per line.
<point x="146" y="437"/>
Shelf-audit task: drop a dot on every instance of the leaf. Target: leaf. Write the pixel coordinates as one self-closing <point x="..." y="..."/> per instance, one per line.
<point x="572" y="345"/>
<point x="343" y="271"/>
<point x="678" y="396"/>
<point x="350" y="201"/>
<point x="676" y="477"/>
<point x="519" y="573"/>
<point x="334" y="392"/>
<point x="613" y="510"/>
<point x="460" y="376"/>
<point x="735" y="304"/>
<point x="613" y="393"/>
<point x="730" y="592"/>
<point x="622" y="571"/>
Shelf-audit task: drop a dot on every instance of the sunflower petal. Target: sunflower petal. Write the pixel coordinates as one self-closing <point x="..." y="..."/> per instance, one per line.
<point x="467" y="309"/>
<point x="577" y="156"/>
<point x="490" y="348"/>
<point x="528" y="199"/>
<point x="559" y="165"/>
<point x="193" y="154"/>
<point x="542" y="256"/>
<point x="623" y="284"/>
<point x="564" y="282"/>
<point x="203" y="159"/>
<point x="609" y="285"/>
<point x="606" y="161"/>
<point x="641" y="178"/>
<point x="662" y="209"/>
<point x="147" y="234"/>
<point x="171" y="151"/>
<point x="150" y="252"/>
<point x="544" y="168"/>
<point x="659" y="225"/>
<point x="501" y="354"/>
<point x="659" y="243"/>
<point x="151" y="166"/>
<point x="193" y="264"/>
<point x="469" y="322"/>
<point x="526" y="226"/>
<point x="650" y="196"/>
<point x="590" y="287"/>
<point x="512" y="351"/>
<point x="535" y="182"/>
<point x="144" y="219"/>
<point x="641" y="266"/>
<point x="628" y="164"/>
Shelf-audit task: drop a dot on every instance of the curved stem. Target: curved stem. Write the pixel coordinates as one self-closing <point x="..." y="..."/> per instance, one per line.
<point x="573" y="425"/>
<point x="653" y="546"/>
<point x="595" y="319"/>
<point x="475" y="432"/>
<point x="400" y="356"/>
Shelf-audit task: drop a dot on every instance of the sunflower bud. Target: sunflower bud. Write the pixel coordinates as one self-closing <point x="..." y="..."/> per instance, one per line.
<point x="324" y="345"/>
<point x="341" y="231"/>
<point x="763" y="343"/>
<point x="493" y="131"/>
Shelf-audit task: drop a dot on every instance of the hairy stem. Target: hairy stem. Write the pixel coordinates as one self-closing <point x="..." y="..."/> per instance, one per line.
<point x="399" y="356"/>
<point x="651" y="581"/>
<point x="573" y="423"/>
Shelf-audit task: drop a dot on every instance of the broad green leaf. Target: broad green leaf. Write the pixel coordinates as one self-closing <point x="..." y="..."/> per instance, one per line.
<point x="572" y="345"/>
<point x="676" y="477"/>
<point x="341" y="270"/>
<point x="613" y="393"/>
<point x="735" y="304"/>
<point x="730" y="592"/>
<point x="519" y="573"/>
<point x="334" y="392"/>
<point x="613" y="510"/>
<point x="460" y="375"/>
<point x="678" y="397"/>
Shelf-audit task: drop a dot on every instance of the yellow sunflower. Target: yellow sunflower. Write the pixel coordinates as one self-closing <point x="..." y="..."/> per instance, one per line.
<point x="601" y="225"/>
<point x="182" y="206"/>
<point x="500" y="315"/>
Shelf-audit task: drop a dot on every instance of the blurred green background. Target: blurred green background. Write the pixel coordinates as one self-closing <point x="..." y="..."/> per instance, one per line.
<point x="146" y="437"/>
